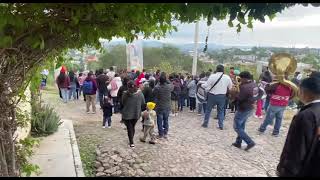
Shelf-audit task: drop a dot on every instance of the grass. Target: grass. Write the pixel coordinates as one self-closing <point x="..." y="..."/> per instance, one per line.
<point x="87" y="147"/>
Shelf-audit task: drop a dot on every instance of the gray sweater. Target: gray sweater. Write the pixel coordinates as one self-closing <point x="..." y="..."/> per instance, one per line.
<point x="192" y="88"/>
<point x="162" y="95"/>
<point x="132" y="105"/>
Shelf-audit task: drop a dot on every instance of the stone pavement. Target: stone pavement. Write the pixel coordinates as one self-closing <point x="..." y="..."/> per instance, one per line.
<point x="189" y="151"/>
<point x="58" y="154"/>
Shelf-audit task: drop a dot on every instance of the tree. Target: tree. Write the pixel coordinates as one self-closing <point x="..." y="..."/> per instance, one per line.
<point x="35" y="33"/>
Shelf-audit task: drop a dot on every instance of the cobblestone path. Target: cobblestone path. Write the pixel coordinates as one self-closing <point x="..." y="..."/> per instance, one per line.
<point x="189" y="151"/>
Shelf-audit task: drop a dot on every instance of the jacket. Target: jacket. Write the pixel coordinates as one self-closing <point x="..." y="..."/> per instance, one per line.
<point x="162" y="96"/>
<point x="244" y="98"/>
<point x="107" y="108"/>
<point x="281" y="96"/>
<point x="65" y="83"/>
<point x="117" y="80"/>
<point x="192" y="88"/>
<point x="300" y="156"/>
<point x="132" y="104"/>
<point x="102" y="83"/>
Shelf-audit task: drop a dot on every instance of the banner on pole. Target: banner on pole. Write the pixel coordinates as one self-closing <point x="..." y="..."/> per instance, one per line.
<point x="134" y="55"/>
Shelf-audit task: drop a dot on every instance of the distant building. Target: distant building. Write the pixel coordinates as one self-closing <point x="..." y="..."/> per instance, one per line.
<point x="246" y="58"/>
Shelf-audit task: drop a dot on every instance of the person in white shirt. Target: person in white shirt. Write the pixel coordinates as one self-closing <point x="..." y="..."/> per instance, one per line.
<point x="111" y="73"/>
<point x="216" y="95"/>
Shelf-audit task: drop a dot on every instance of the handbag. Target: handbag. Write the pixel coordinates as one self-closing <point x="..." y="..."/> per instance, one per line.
<point x="202" y="94"/>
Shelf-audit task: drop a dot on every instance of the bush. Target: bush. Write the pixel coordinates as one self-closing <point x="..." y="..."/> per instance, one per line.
<point x="44" y="120"/>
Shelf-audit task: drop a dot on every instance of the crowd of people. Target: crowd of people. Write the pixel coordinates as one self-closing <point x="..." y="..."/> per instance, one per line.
<point x="154" y="97"/>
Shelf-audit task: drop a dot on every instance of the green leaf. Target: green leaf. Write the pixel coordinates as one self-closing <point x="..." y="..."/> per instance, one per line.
<point x="238" y="28"/>
<point x="250" y="25"/>
<point x="5" y="41"/>
<point x="230" y="23"/>
<point x="240" y="18"/>
<point x="272" y="16"/>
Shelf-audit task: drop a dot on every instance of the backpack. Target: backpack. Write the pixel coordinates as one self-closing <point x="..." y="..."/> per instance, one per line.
<point x="176" y="91"/>
<point x="87" y="87"/>
<point x="201" y="94"/>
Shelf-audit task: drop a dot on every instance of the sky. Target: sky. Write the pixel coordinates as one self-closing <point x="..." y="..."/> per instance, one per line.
<point x="297" y="26"/>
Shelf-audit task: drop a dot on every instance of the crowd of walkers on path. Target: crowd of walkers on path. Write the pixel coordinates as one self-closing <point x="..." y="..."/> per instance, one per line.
<point x="154" y="97"/>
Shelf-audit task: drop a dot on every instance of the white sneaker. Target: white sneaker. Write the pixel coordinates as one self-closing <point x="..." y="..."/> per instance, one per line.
<point x="256" y="116"/>
<point x="88" y="112"/>
<point x="103" y="127"/>
<point x="190" y="111"/>
<point x="109" y="127"/>
<point x="199" y="114"/>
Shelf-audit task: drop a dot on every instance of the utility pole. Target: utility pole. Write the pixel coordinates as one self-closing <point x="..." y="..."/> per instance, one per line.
<point x="195" y="53"/>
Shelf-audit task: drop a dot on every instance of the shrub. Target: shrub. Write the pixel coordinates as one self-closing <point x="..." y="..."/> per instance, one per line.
<point x="44" y="120"/>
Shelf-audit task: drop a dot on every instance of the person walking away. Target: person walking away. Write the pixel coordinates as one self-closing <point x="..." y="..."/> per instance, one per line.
<point x="175" y="95"/>
<point x="146" y="88"/>
<point x="132" y="101"/>
<point x="81" y="78"/>
<point x="259" y="113"/>
<point x="102" y="83"/>
<point x="249" y="93"/>
<point x="162" y="95"/>
<point x="266" y="76"/>
<point x="63" y="82"/>
<point x="200" y="100"/>
<point x="183" y="94"/>
<point x="107" y="111"/>
<point x="279" y="100"/>
<point x="192" y="86"/>
<point x="300" y="156"/>
<point x="89" y="89"/>
<point x="114" y="87"/>
<point x="121" y="91"/>
<point x="217" y="86"/>
<point x="149" y="123"/>
<point x="111" y="73"/>
<point x="73" y="85"/>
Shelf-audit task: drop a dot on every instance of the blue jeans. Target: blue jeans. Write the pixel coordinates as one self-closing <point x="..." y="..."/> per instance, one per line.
<point x="181" y="102"/>
<point x="163" y="121"/>
<point x="213" y="100"/>
<point x="239" y="125"/>
<point x="73" y="92"/>
<point x="64" y="93"/>
<point x="273" y="112"/>
<point x="106" y="119"/>
<point x="266" y="103"/>
<point x="202" y="108"/>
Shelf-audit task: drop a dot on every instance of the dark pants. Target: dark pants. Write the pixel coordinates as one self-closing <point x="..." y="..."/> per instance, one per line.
<point x="188" y="100"/>
<point x="192" y="103"/>
<point x="181" y="102"/>
<point x="163" y="121"/>
<point x="233" y="106"/>
<point x="213" y="100"/>
<point x="106" y="119"/>
<point x="101" y="95"/>
<point x="116" y="104"/>
<point x="60" y="94"/>
<point x="130" y="128"/>
<point x="77" y="92"/>
<point x="266" y="103"/>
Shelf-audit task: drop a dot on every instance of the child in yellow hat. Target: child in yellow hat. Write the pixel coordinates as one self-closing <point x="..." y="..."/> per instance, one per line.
<point x="149" y="122"/>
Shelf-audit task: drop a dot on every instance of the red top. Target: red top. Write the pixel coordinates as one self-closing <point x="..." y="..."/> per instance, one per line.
<point x="281" y="96"/>
<point x="139" y="78"/>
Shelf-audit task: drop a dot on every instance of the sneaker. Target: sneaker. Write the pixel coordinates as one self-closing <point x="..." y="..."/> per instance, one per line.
<point x="142" y="140"/>
<point x="256" y="116"/>
<point x="93" y="112"/>
<point x="275" y="135"/>
<point x="260" y="117"/>
<point x="132" y="145"/>
<point x="109" y="127"/>
<point x="103" y="127"/>
<point x="159" y="137"/>
<point x="221" y="128"/>
<point x="249" y="147"/>
<point x="199" y="114"/>
<point x="190" y="111"/>
<point x="152" y="142"/>
<point x="204" y="126"/>
<point x="88" y="112"/>
<point x="236" y="145"/>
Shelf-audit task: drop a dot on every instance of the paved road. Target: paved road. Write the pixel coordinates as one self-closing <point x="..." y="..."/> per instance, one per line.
<point x="189" y="151"/>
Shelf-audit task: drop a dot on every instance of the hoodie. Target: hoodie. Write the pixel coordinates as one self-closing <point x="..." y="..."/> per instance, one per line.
<point x="118" y="82"/>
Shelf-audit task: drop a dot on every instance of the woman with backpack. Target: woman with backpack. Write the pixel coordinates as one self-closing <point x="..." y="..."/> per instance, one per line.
<point x="63" y="82"/>
<point x="90" y="89"/>
<point x="114" y="87"/>
<point x="132" y="101"/>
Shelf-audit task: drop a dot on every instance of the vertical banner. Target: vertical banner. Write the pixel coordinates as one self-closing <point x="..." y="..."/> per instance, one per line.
<point x="134" y="55"/>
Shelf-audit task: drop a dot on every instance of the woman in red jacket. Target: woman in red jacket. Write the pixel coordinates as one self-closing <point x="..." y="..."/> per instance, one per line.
<point x="63" y="82"/>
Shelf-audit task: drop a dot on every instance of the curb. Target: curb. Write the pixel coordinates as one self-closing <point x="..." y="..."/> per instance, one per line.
<point x="75" y="149"/>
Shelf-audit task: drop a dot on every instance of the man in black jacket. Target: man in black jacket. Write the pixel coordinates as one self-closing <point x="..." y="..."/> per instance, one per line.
<point x="301" y="153"/>
<point x="102" y="83"/>
<point x="249" y="92"/>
